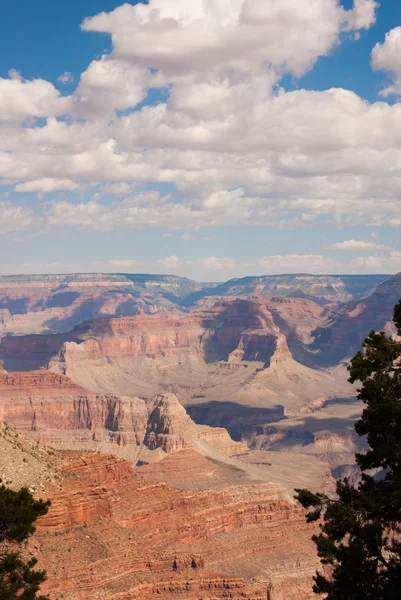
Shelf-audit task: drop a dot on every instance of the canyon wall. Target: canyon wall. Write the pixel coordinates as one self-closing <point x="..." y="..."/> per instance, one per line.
<point x="52" y="409"/>
<point x="229" y="350"/>
<point x="112" y="531"/>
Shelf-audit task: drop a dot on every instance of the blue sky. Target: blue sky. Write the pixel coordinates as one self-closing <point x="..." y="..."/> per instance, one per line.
<point x="210" y="139"/>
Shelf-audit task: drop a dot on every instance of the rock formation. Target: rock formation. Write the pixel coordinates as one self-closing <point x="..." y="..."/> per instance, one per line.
<point x="230" y="364"/>
<point x="348" y="325"/>
<point x="117" y="533"/>
<point x="219" y="351"/>
<point x="54" y="303"/>
<point x="50" y="408"/>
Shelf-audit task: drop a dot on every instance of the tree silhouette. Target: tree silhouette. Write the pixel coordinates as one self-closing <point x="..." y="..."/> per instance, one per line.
<point x="18" y="578"/>
<point x="360" y="536"/>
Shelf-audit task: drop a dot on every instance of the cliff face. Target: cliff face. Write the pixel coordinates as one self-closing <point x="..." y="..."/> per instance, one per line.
<point x="245" y="328"/>
<point x="111" y="531"/>
<point x="51" y="409"/>
<point x="147" y="351"/>
<point x="231" y="363"/>
<point x="349" y="324"/>
<point x="55" y="303"/>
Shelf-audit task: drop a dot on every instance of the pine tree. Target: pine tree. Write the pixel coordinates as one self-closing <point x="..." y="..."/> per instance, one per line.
<point x="18" y="578"/>
<point x="360" y="536"/>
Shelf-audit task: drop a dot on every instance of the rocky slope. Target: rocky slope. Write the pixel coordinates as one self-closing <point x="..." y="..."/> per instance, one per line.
<point x="43" y="303"/>
<point x="119" y="534"/>
<point x="51" y="409"/>
<point x="252" y="366"/>
<point x="24" y="463"/>
<point x="218" y="352"/>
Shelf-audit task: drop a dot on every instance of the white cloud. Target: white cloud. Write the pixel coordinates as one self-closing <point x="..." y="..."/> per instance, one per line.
<point x="20" y="99"/>
<point x="221" y="268"/>
<point x="237" y="151"/>
<point x="109" y="85"/>
<point x="170" y="263"/>
<point x="227" y="35"/>
<point x="363" y="14"/>
<point x="125" y="265"/>
<point x="213" y="263"/>
<point x="390" y="263"/>
<point x="66" y="78"/>
<point x="387" y="57"/>
<point x="47" y="185"/>
<point x="190" y="237"/>
<point x="357" y="245"/>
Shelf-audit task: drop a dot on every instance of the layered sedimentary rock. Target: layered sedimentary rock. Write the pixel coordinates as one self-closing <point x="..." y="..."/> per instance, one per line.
<point x="55" y="303"/>
<point x="348" y="325"/>
<point x="321" y="288"/>
<point x="116" y="533"/>
<point x="230" y="364"/>
<point x="224" y="350"/>
<point x="54" y="410"/>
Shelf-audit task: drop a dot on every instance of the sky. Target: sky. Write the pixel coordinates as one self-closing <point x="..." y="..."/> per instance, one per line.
<point x="210" y="139"/>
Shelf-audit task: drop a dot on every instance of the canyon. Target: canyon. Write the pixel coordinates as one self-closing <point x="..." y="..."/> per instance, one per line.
<point x="32" y="304"/>
<point x="170" y="421"/>
<point x="259" y="367"/>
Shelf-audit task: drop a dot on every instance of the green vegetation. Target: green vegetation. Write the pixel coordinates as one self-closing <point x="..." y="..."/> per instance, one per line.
<point x="359" y="543"/>
<point x="18" y="578"/>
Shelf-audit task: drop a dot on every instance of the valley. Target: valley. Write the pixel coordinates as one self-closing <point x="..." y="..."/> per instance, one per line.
<point x="178" y="430"/>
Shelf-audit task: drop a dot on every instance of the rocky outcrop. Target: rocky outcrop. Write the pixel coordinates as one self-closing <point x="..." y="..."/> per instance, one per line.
<point x="114" y="532"/>
<point x="24" y="463"/>
<point x="51" y="409"/>
<point x="41" y="379"/>
<point x="232" y="331"/>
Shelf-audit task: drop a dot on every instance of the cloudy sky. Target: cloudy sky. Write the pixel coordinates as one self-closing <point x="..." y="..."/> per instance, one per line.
<point x="206" y="138"/>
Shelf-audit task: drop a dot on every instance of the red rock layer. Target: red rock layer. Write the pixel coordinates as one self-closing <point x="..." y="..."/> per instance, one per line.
<point x="110" y="533"/>
<point x="230" y="330"/>
<point x="33" y="380"/>
<point x="51" y="409"/>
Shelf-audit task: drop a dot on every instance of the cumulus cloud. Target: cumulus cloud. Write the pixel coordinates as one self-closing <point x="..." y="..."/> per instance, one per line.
<point x="363" y="15"/>
<point x="387" y="57"/>
<point x="390" y="263"/>
<point x="357" y="245"/>
<point x="109" y="85"/>
<point x="221" y="268"/>
<point x="237" y="148"/>
<point x="295" y="263"/>
<point x="228" y="35"/>
<point x="20" y="99"/>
